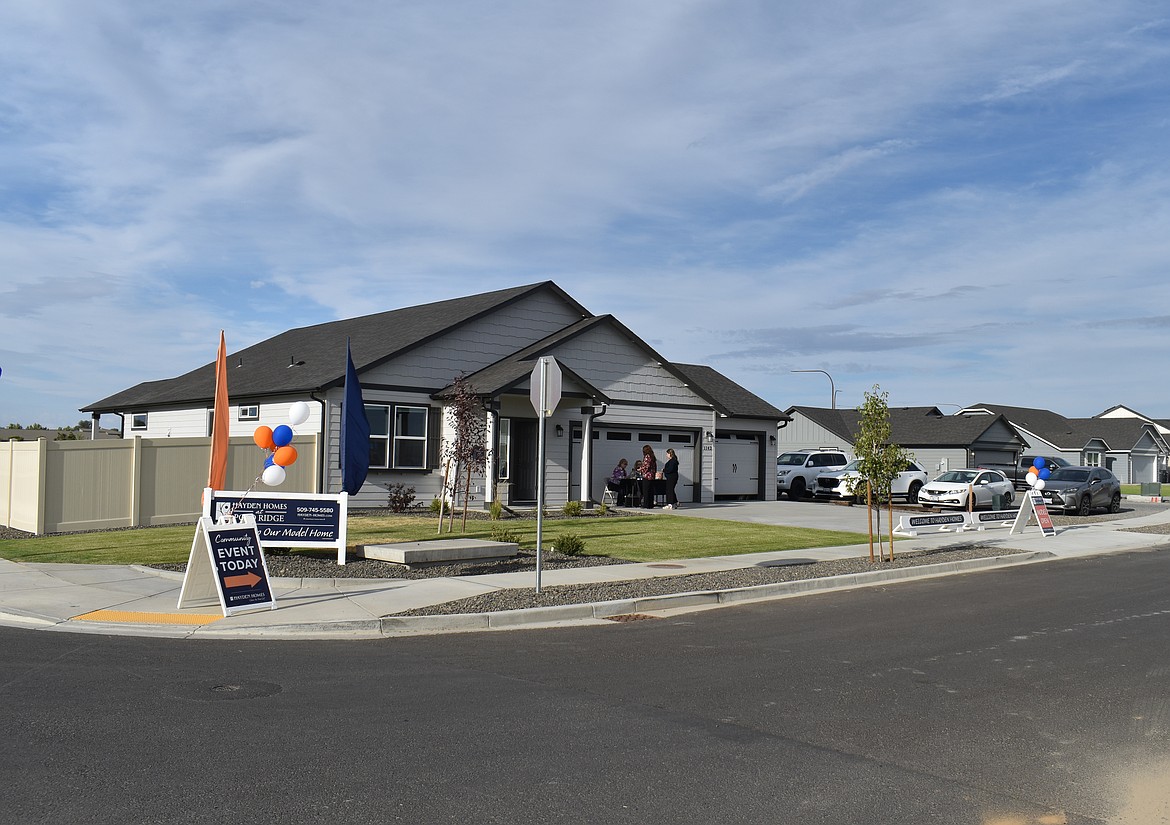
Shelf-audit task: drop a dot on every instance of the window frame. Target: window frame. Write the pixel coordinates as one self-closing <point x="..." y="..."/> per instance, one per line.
<point x="134" y="425"/>
<point x="1092" y="458"/>
<point x="504" y="451"/>
<point x="389" y="438"/>
<point x="253" y="416"/>
<point x="395" y="437"/>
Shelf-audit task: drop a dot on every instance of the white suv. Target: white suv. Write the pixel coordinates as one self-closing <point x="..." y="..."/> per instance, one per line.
<point x="797" y="471"/>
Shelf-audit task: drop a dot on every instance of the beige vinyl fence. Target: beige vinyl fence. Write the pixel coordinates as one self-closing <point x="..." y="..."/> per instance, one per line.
<point x="61" y="486"/>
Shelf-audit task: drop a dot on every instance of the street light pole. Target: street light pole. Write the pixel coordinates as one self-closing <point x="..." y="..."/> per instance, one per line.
<point x="832" y="386"/>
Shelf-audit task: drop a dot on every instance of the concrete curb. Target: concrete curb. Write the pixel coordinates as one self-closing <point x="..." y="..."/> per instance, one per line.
<point x="556" y="615"/>
<point x="559" y="614"/>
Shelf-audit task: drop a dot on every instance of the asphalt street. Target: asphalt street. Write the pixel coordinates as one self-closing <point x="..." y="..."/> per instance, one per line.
<point x="1034" y="694"/>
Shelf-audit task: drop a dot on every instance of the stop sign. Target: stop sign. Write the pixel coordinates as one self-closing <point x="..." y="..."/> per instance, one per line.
<point x="552" y="391"/>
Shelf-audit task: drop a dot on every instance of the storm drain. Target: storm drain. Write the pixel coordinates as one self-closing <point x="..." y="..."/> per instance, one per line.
<point x="629" y="617"/>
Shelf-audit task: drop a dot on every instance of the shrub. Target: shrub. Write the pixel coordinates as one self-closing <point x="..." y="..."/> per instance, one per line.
<point x="572" y="509"/>
<point x="501" y="533"/>
<point x="569" y="544"/>
<point x="436" y="505"/>
<point x="496" y="510"/>
<point x="602" y="509"/>
<point x="401" y="497"/>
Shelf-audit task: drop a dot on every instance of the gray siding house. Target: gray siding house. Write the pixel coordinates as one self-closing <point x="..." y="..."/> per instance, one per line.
<point x="1132" y="447"/>
<point x="617" y="394"/>
<point x="939" y="442"/>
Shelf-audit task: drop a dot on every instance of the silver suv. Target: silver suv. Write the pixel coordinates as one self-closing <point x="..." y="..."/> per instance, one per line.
<point x="797" y="471"/>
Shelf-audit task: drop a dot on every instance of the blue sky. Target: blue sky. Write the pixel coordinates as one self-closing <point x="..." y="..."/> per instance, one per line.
<point x="959" y="202"/>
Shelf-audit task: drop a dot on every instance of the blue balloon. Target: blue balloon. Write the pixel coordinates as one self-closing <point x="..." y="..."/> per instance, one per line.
<point x="1039" y="462"/>
<point x="282" y="435"/>
<point x="268" y="462"/>
<point x="1044" y="472"/>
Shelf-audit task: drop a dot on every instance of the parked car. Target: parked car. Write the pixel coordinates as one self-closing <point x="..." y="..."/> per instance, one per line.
<point x="906" y="484"/>
<point x="952" y="489"/>
<point x="797" y="471"/>
<point x="1080" y="489"/>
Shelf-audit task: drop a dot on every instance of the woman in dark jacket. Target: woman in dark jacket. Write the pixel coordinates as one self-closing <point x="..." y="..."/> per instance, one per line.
<point x="670" y="474"/>
<point x="649" y="470"/>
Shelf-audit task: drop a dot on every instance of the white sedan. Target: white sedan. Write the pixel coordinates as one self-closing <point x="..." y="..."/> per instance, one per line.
<point x="951" y="489"/>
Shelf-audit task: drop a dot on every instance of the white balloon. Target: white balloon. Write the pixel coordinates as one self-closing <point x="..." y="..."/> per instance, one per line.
<point x="298" y="413"/>
<point x="1031" y="476"/>
<point x="1039" y="484"/>
<point x="273" y="475"/>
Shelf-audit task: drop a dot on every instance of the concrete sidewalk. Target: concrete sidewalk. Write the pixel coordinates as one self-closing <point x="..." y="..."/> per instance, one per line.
<point x="139" y="601"/>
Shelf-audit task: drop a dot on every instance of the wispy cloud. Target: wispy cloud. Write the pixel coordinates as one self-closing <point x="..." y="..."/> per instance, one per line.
<point x="917" y="194"/>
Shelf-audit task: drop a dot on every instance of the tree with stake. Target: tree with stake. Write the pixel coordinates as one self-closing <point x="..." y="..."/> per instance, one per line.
<point x="467" y="451"/>
<point x="879" y="461"/>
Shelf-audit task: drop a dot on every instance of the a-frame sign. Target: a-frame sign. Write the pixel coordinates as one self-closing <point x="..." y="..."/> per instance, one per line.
<point x="1034" y="505"/>
<point x="227" y="563"/>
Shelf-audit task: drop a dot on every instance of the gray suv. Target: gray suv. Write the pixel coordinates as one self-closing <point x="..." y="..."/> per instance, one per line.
<point x="797" y="471"/>
<point x="1080" y="489"/>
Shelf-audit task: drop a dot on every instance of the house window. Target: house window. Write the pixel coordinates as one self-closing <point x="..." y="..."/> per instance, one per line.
<point x="138" y="421"/>
<point x="410" y="438"/>
<point x="505" y="450"/>
<point x="379" y="417"/>
<point x="398" y="436"/>
<point x="249" y="412"/>
<point x="1092" y="459"/>
<point x="680" y="439"/>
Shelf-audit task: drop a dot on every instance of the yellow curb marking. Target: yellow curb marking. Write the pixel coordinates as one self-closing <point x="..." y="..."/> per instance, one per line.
<point x="147" y="618"/>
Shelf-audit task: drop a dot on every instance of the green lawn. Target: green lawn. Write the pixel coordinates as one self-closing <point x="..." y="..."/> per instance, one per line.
<point x="636" y="538"/>
<point x="1136" y="490"/>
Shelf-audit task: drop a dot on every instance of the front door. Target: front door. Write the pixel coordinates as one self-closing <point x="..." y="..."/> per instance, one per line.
<point x="525" y="447"/>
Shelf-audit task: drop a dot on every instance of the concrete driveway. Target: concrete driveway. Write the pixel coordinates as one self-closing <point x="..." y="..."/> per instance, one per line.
<point x="820" y="515"/>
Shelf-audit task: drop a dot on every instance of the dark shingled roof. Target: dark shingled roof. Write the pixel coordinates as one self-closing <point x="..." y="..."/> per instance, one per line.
<point x="909" y="426"/>
<point x="725" y="395"/>
<point x="1041" y="422"/>
<point x="317" y="353"/>
<point x="1121" y="433"/>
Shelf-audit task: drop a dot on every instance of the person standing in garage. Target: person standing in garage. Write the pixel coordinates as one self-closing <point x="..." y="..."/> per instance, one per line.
<point x="649" y="470"/>
<point x="670" y="476"/>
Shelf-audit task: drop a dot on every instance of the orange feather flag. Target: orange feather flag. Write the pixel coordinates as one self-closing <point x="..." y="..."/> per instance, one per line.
<point x="217" y="475"/>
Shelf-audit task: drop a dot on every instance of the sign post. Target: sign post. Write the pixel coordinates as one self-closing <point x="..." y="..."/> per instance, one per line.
<point x="545" y="393"/>
<point x="227" y="562"/>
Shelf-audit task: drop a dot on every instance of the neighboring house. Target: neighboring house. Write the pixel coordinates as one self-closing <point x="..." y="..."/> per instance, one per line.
<point x="1162" y="425"/>
<point x="617" y="394"/>
<point x="938" y="442"/>
<point x="1132" y="447"/>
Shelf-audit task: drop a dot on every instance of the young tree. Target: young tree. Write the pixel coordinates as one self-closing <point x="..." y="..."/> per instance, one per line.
<point x="467" y="452"/>
<point x="879" y="461"/>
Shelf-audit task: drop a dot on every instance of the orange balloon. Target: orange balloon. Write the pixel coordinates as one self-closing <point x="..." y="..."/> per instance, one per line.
<point x="284" y="456"/>
<point x="263" y="438"/>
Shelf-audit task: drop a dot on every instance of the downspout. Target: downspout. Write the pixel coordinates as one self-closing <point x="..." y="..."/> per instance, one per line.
<point x="591" y="413"/>
<point x="322" y="470"/>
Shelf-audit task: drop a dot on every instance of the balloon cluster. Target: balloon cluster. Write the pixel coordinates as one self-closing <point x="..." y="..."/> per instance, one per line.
<point x="1038" y="473"/>
<point x="277" y="442"/>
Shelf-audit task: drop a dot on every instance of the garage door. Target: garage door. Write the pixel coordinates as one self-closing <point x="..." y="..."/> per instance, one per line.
<point x="993" y="458"/>
<point x="612" y="445"/>
<point x="737" y="467"/>
<point x="1142" y="469"/>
